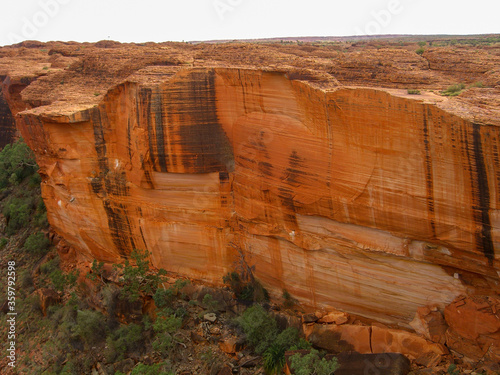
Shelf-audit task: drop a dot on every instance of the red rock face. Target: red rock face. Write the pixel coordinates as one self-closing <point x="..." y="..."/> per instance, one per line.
<point x="350" y="197"/>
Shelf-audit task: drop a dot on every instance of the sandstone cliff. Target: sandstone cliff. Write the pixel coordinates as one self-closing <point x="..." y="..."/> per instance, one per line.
<point x="315" y="165"/>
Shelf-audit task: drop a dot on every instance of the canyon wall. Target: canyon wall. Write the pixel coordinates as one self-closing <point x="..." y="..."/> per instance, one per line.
<point x="357" y="198"/>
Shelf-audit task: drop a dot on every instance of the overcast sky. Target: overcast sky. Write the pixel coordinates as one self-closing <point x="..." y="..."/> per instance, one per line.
<point x="178" y="20"/>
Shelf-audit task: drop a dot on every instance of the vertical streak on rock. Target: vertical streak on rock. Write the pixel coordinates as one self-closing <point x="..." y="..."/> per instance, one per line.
<point x="115" y="184"/>
<point x="156" y="102"/>
<point x="7" y="124"/>
<point x="429" y="182"/>
<point x="129" y="141"/>
<point x="100" y="143"/>
<point x="145" y="111"/>
<point x="482" y="198"/>
<point x="195" y="136"/>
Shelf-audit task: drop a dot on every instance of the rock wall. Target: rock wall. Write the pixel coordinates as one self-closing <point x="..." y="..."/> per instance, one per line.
<point x="7" y="123"/>
<point x="352" y="197"/>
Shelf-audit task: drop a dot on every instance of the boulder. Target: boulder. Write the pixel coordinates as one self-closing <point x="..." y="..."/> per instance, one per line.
<point x="231" y="345"/>
<point x="474" y="327"/>
<point x="48" y="297"/>
<point x="430" y="323"/>
<point x="363" y="364"/>
<point x="474" y="316"/>
<point x="429" y="359"/>
<point x="387" y="340"/>
<point x="341" y="338"/>
<point x="463" y="346"/>
<point x="334" y="317"/>
<point x="210" y="317"/>
<point x="309" y="318"/>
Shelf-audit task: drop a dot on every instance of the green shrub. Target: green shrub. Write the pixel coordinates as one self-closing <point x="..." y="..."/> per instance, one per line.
<point x="246" y="290"/>
<point x="453" y="370"/>
<point x="37" y="243"/>
<point x="139" y="278"/>
<point x="156" y="369"/>
<point x="3" y="241"/>
<point x="274" y="356"/>
<point x="165" y="325"/>
<point x="274" y="359"/>
<point x="124" y="339"/>
<point x="48" y="267"/>
<point x="16" y="163"/>
<point x="477" y="84"/>
<point x="95" y="270"/>
<point x="17" y="211"/>
<point x="414" y="92"/>
<point x="163" y="297"/>
<point x="90" y="326"/>
<point x="61" y="280"/>
<point x="260" y="329"/>
<point x="209" y="303"/>
<point x="312" y="364"/>
<point x="420" y="51"/>
<point x="453" y="90"/>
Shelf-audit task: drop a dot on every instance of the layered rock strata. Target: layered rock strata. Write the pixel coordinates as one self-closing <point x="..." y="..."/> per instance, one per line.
<point x="314" y="167"/>
<point x="351" y="197"/>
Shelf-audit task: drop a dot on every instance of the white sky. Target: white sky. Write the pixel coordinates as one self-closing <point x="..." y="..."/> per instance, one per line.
<point x="167" y="20"/>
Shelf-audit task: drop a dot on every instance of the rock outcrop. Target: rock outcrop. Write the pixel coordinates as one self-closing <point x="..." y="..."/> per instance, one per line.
<point x="365" y="198"/>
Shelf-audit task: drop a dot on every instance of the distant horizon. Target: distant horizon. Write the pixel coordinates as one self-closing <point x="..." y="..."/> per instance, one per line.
<point x="287" y="38"/>
<point x="128" y="21"/>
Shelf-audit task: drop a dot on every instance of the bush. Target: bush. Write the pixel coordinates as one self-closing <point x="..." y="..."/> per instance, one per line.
<point x="313" y="364"/>
<point x="48" y="267"/>
<point x="414" y="92"/>
<point x="123" y="340"/>
<point x="3" y="241"/>
<point x="246" y="290"/>
<point x="61" y="280"/>
<point x="17" y="211"/>
<point x="16" y="163"/>
<point x="477" y="84"/>
<point x="274" y="356"/>
<point x="90" y="326"/>
<point x="37" y="243"/>
<point x="163" y="297"/>
<point x="209" y="303"/>
<point x="453" y="90"/>
<point x="260" y="329"/>
<point x="156" y="369"/>
<point x="165" y="325"/>
<point x="420" y="51"/>
<point x="139" y="278"/>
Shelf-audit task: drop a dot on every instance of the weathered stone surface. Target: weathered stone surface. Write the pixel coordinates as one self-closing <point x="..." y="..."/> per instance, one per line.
<point x="429" y="359"/>
<point x="334" y="317"/>
<point x="468" y="348"/>
<point x="309" y="318"/>
<point x="363" y="364"/>
<point x="430" y="323"/>
<point x="342" y="338"/>
<point x="386" y="340"/>
<point x="474" y="316"/>
<point x="474" y="327"/>
<point x="363" y="198"/>
<point x="48" y="297"/>
<point x="231" y="345"/>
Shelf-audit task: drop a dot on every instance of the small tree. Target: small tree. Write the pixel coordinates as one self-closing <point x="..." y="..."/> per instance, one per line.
<point x="138" y="278"/>
<point x="260" y="328"/>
